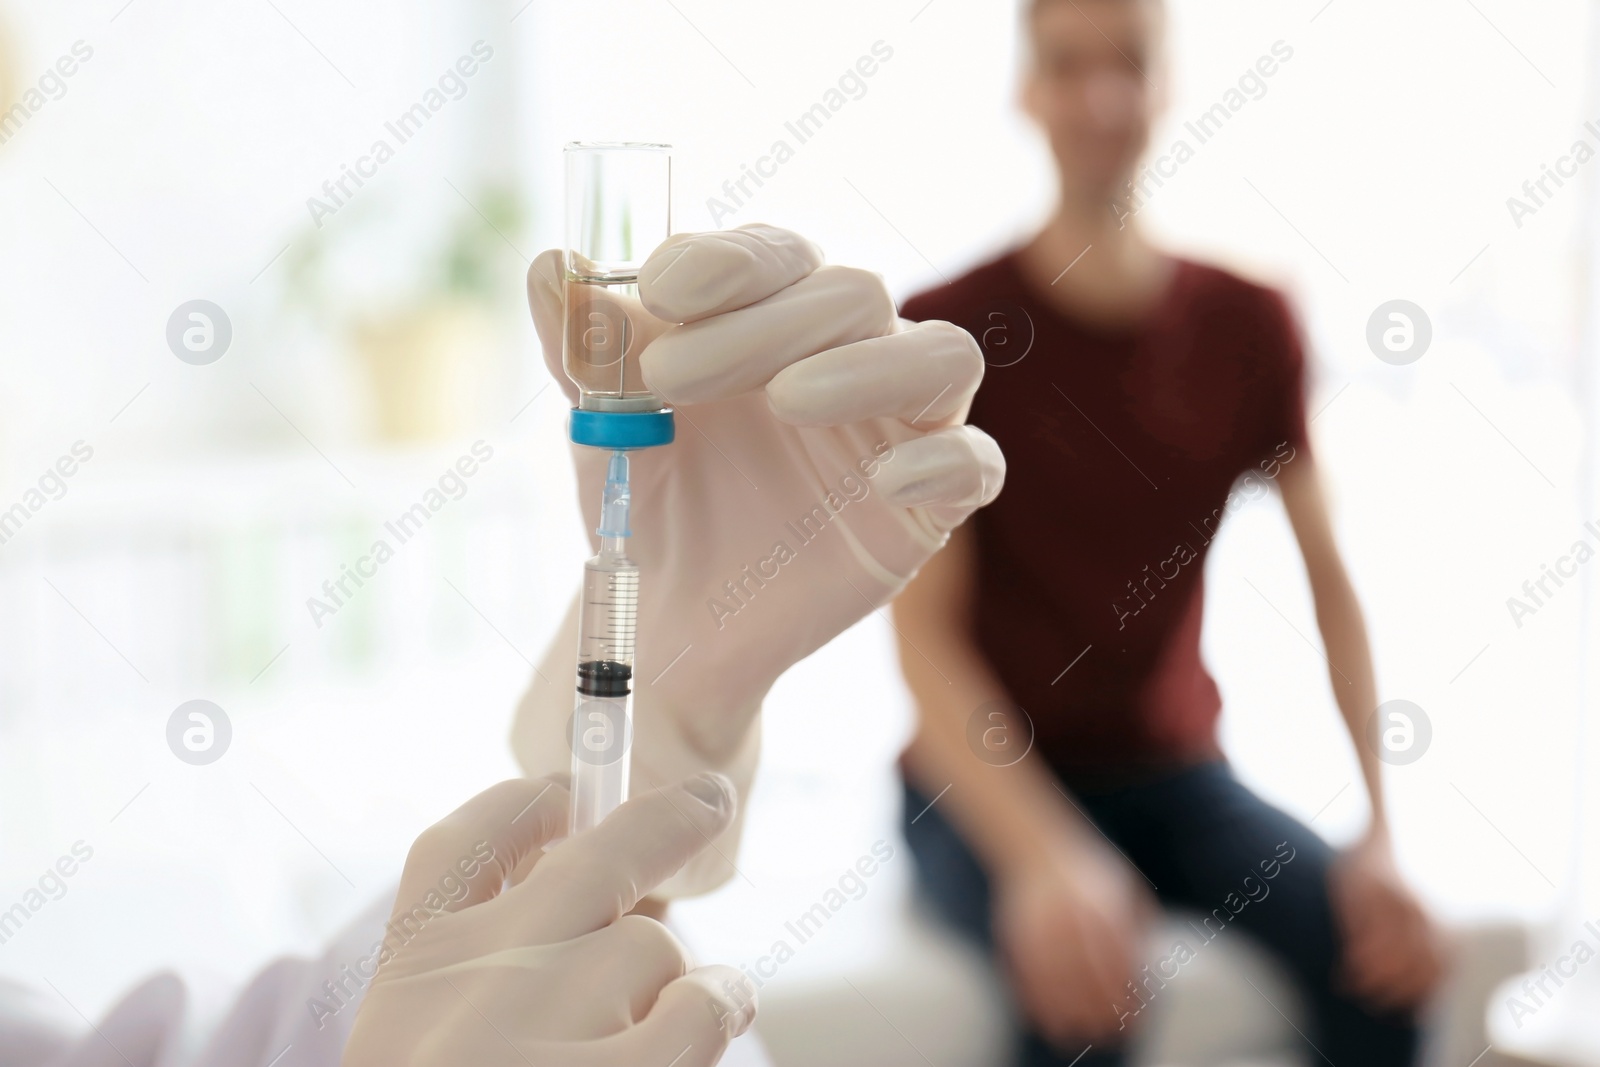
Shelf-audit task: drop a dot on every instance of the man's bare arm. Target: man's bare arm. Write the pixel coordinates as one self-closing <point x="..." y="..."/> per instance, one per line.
<point x="1391" y="954"/>
<point x="1067" y="912"/>
<point x="1004" y="813"/>
<point x="1339" y="618"/>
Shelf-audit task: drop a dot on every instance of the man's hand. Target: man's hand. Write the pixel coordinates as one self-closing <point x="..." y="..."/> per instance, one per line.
<point x="1071" y="925"/>
<point x="1392" y="955"/>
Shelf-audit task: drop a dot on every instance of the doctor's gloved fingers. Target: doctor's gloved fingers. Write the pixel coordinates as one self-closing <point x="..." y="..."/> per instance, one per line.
<point x="545" y="302"/>
<point x="591" y="880"/>
<point x="739" y="351"/>
<point x="478" y="845"/>
<point x="690" y="1025"/>
<point x="582" y="989"/>
<point x="954" y="471"/>
<point x="692" y="276"/>
<point x="925" y="374"/>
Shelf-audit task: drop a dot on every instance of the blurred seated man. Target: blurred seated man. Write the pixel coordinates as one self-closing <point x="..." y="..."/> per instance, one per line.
<point x="1130" y="391"/>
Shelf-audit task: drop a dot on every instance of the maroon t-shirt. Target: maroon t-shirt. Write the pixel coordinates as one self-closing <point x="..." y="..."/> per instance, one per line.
<point x="1125" y="448"/>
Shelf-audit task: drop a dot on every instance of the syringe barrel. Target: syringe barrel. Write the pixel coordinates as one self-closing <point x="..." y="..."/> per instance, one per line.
<point x="609" y="617"/>
<point x="602" y="717"/>
<point x="602" y="734"/>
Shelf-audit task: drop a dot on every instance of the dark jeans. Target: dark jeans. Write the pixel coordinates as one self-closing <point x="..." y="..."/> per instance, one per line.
<point x="1197" y="835"/>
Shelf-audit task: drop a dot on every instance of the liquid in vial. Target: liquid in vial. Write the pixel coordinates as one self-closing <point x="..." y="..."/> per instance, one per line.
<point x="602" y="342"/>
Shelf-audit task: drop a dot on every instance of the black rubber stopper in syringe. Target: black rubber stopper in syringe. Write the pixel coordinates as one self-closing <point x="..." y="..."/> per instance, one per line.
<point x="605" y="678"/>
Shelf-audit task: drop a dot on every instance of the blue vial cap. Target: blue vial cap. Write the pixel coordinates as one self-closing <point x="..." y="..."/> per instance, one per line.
<point x="620" y="430"/>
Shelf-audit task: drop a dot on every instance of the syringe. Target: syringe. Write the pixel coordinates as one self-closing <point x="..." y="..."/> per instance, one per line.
<point x="608" y="618"/>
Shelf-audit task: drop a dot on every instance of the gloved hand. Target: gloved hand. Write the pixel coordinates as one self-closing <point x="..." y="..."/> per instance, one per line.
<point x="535" y="959"/>
<point x="820" y="459"/>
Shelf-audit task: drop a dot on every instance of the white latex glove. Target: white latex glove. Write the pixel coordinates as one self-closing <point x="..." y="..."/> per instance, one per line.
<point x="809" y="416"/>
<point x="539" y="962"/>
